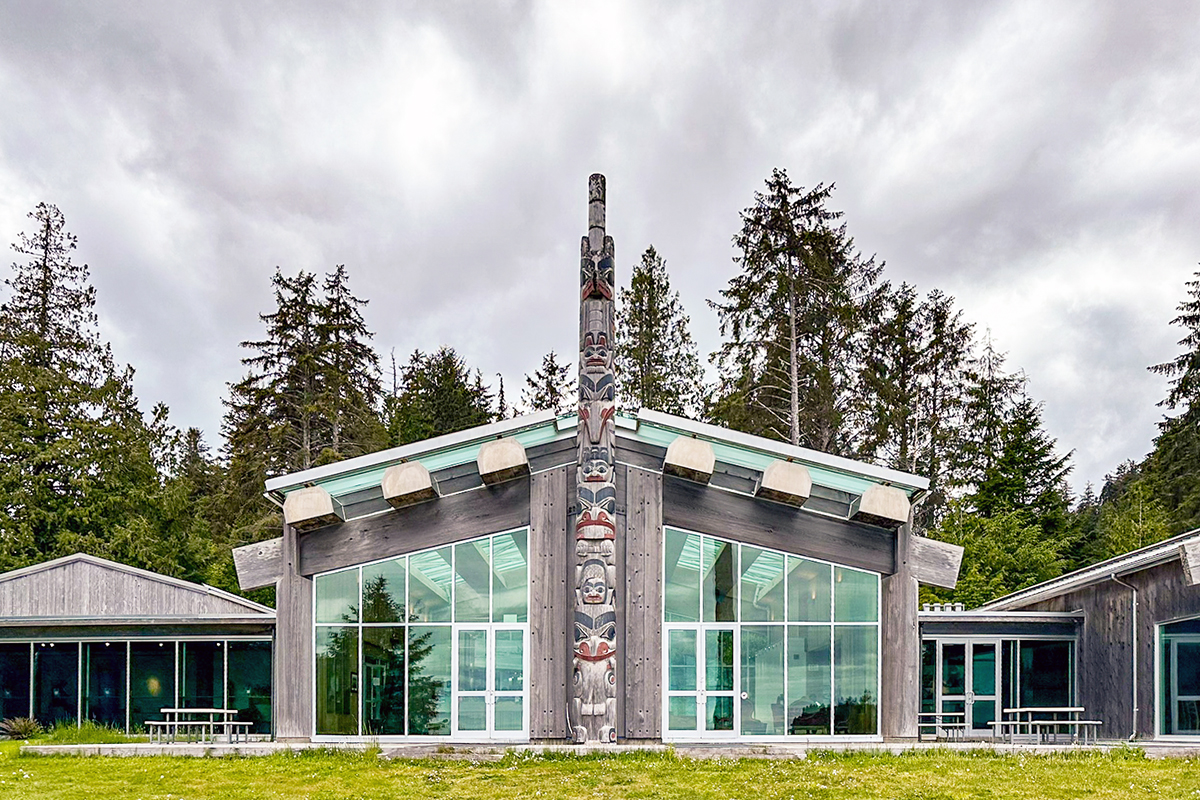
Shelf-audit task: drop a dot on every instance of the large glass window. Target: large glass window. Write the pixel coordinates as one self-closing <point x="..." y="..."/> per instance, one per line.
<point x="104" y="683"/>
<point x="201" y="675"/>
<point x="1179" y="679"/>
<point x="759" y="643"/>
<point x="248" y="683"/>
<point x="14" y="680"/>
<point x="56" y="682"/>
<point x="151" y="680"/>
<point x="439" y="648"/>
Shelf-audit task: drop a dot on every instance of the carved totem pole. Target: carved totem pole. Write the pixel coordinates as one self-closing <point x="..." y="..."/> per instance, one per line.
<point x="594" y="706"/>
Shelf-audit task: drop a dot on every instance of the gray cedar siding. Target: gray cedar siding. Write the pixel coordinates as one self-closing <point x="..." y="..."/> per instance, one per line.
<point x="83" y="588"/>
<point x="900" y="659"/>
<point x="549" y="604"/>
<point x="293" y="657"/>
<point x="1104" y="661"/>
<point x="696" y="507"/>
<point x="643" y="604"/>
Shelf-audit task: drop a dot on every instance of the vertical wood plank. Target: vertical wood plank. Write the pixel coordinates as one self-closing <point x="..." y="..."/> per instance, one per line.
<point x="549" y="600"/>
<point x="293" y="667"/>
<point x="643" y="589"/>
<point x="900" y="690"/>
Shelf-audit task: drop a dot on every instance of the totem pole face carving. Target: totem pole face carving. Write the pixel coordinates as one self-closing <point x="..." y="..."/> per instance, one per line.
<point x="594" y="705"/>
<point x="594" y="583"/>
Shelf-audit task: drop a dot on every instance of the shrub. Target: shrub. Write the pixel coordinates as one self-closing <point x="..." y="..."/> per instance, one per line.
<point x="19" y="728"/>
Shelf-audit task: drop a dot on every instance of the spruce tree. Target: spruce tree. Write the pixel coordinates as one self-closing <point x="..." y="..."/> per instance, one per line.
<point x="75" y="452"/>
<point x="550" y="388"/>
<point x="795" y="318"/>
<point x="437" y="394"/>
<point x="1174" y="464"/>
<point x="657" y="363"/>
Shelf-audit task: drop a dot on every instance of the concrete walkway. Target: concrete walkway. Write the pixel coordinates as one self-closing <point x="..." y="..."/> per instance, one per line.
<point x="494" y="752"/>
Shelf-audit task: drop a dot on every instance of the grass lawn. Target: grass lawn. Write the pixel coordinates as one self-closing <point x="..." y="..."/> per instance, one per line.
<point x="325" y="774"/>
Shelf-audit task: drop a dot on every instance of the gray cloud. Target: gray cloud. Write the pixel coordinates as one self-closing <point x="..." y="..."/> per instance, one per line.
<point x="1037" y="162"/>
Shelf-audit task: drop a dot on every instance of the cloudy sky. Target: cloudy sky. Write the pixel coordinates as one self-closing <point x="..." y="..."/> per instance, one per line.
<point x="1037" y="161"/>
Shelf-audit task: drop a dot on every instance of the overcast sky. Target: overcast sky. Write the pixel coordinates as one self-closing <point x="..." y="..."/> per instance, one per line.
<point x="1038" y="161"/>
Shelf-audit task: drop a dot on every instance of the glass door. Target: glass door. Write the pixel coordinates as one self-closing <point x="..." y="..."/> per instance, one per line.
<point x="702" y="682"/>
<point x="489" y="694"/>
<point x="969" y="675"/>
<point x="1185" y="684"/>
<point x="983" y="698"/>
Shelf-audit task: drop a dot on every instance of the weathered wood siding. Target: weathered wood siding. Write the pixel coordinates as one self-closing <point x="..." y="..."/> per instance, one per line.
<point x="747" y="519"/>
<point x="87" y="589"/>
<point x="549" y="604"/>
<point x="477" y="512"/>
<point x="900" y="661"/>
<point x="293" y="657"/>
<point x="642" y="590"/>
<point x="1104" y="660"/>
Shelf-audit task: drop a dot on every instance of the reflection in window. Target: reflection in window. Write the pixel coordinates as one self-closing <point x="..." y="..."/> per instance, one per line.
<point x="808" y="709"/>
<point x="383" y="592"/>
<point x="510" y="577"/>
<point x="855" y="664"/>
<point x="104" y="683"/>
<point x="855" y="595"/>
<point x="429" y="580"/>
<point x="151" y="680"/>
<point x="472" y="581"/>
<point x="411" y="660"/>
<point x="762" y="585"/>
<point x="804" y="678"/>
<point x="429" y="680"/>
<point x="719" y="585"/>
<point x="383" y="680"/>
<point x="681" y="600"/>
<point x="201" y="675"/>
<point x="808" y="590"/>
<point x="249" y="683"/>
<point x="56" y="682"/>
<point x="337" y="597"/>
<point x="14" y="680"/>
<point x="337" y="680"/>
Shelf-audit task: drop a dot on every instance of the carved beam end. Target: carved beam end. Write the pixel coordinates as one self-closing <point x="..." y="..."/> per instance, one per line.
<point x="785" y="482"/>
<point x="885" y="506"/>
<point x="407" y="484"/>
<point x="690" y="458"/>
<point x="312" y="507"/>
<point x="502" y="460"/>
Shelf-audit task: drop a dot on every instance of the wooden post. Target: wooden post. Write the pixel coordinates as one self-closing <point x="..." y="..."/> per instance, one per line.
<point x="594" y="661"/>
<point x="900" y="684"/>
<point x="293" y="667"/>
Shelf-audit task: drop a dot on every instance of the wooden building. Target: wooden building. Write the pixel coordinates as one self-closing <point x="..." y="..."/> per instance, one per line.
<point x="1137" y="636"/>
<point x="597" y="577"/>
<point x="82" y="638"/>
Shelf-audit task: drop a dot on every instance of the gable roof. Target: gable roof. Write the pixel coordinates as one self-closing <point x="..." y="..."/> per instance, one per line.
<point x="842" y="476"/>
<point x="82" y="586"/>
<point x="1133" y="561"/>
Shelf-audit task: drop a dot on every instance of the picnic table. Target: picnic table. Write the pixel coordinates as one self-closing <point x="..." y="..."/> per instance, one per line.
<point x="202" y="723"/>
<point x="1041" y="723"/>
<point x="950" y="724"/>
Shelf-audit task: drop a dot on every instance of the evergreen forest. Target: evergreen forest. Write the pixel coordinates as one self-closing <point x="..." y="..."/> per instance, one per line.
<point x="818" y="348"/>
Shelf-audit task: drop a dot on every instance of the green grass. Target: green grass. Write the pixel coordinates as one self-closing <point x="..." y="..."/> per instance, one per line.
<point x="323" y="775"/>
<point x="87" y="733"/>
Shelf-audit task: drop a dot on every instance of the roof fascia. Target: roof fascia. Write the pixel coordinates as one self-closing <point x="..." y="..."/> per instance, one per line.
<point x="436" y="453"/>
<point x="1134" y="561"/>
<point x="842" y="473"/>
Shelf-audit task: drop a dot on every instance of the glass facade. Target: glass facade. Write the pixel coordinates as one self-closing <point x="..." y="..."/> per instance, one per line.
<point x="978" y="677"/>
<point x="1179" y="678"/>
<point x="760" y="643"/>
<point x="428" y="644"/>
<point x="126" y="683"/>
